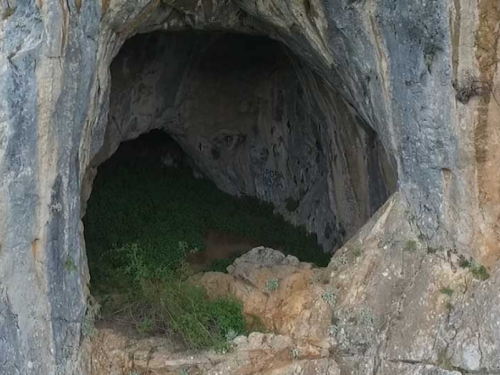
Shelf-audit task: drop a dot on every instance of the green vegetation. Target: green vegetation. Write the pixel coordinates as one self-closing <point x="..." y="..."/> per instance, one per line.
<point x="339" y="260"/>
<point x="69" y="265"/>
<point x="180" y="309"/>
<point x="330" y="297"/>
<point x="367" y="317"/>
<point x="272" y="285"/>
<point x="161" y="300"/>
<point x="447" y="291"/>
<point x="88" y="327"/>
<point x="411" y="246"/>
<point x="463" y="262"/>
<point x="142" y="222"/>
<point x="477" y="270"/>
<point x="480" y="272"/>
<point x="357" y="251"/>
<point x="160" y="208"/>
<point x="435" y="250"/>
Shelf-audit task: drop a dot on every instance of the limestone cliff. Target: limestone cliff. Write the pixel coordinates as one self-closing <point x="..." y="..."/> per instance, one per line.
<point x="407" y="84"/>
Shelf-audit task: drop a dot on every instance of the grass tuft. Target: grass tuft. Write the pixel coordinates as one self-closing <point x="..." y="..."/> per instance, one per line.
<point x="477" y="270"/>
<point x="411" y="246"/>
<point x="480" y="272"/>
<point x="447" y="291"/>
<point x="272" y="285"/>
<point x="162" y="301"/>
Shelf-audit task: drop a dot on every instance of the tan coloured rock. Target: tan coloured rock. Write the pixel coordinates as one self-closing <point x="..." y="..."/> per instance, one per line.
<point x="266" y="354"/>
<point x="296" y="307"/>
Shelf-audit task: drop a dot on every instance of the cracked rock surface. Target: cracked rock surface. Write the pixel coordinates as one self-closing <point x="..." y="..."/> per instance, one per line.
<point x="265" y="354"/>
<point x="416" y="81"/>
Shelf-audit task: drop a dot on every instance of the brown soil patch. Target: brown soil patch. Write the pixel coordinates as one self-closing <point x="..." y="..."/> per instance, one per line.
<point x="220" y="245"/>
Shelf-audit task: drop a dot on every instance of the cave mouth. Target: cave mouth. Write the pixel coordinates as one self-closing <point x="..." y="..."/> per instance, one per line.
<point x="239" y="122"/>
<point x="256" y="120"/>
<point x="153" y="222"/>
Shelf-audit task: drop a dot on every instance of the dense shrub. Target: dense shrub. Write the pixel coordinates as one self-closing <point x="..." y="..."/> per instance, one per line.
<point x="162" y="301"/>
<point x="167" y="213"/>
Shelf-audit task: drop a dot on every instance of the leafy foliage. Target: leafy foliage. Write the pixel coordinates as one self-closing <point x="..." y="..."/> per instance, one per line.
<point x="476" y="269"/>
<point x="411" y="246"/>
<point x="160" y="208"/>
<point x="329" y="297"/>
<point x="480" y="272"/>
<point x="88" y="327"/>
<point x="447" y="291"/>
<point x="69" y="265"/>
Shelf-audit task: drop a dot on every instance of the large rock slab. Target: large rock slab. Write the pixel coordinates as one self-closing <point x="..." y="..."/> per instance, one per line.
<point x="266" y="354"/>
<point x="404" y="307"/>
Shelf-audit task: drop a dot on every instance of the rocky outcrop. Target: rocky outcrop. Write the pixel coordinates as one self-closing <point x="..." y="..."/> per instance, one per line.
<point x="421" y="74"/>
<point x="403" y="305"/>
<point x="383" y="287"/>
<point x="263" y="354"/>
<point x="285" y="296"/>
<point x="354" y="317"/>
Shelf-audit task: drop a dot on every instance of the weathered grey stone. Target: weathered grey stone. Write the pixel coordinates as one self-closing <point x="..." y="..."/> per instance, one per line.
<point x="404" y="309"/>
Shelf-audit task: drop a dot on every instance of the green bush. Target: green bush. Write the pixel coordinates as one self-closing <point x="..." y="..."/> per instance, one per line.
<point x="184" y="311"/>
<point x="480" y="272"/>
<point x="477" y="270"/>
<point x="411" y="246"/>
<point x="272" y="285"/>
<point x="447" y="291"/>
<point x="162" y="301"/>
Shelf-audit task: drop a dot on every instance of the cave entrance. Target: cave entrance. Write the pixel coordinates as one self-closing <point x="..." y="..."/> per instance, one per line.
<point x="153" y="223"/>
<point x="257" y="121"/>
<point x="237" y="121"/>
<point x="150" y="197"/>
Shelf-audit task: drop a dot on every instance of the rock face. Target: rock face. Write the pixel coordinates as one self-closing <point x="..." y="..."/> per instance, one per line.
<point x="286" y="295"/>
<point x="353" y="317"/>
<point x="418" y="78"/>
<point x="406" y="308"/>
<point x="263" y="354"/>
